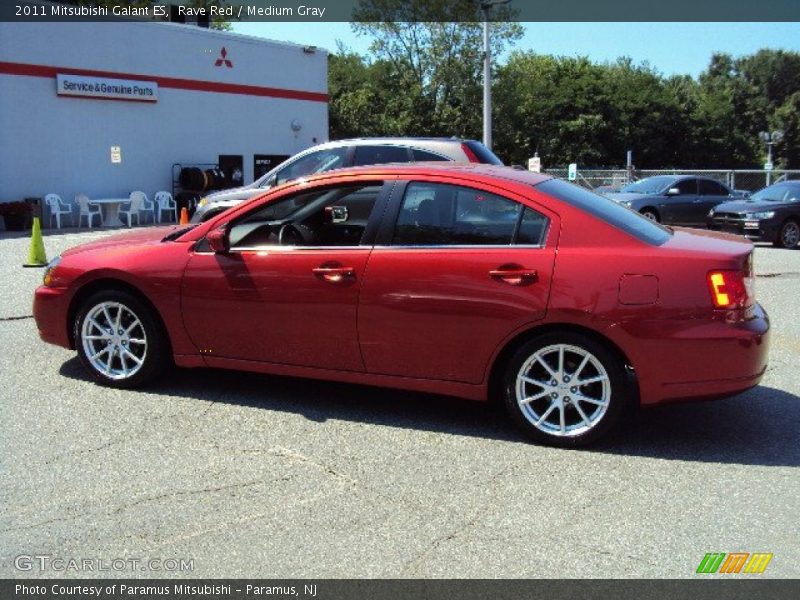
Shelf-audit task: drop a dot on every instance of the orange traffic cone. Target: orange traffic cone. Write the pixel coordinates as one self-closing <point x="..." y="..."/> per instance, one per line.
<point x="184" y="216"/>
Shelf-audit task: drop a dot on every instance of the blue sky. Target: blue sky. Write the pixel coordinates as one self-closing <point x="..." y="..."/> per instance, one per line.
<point x="672" y="48"/>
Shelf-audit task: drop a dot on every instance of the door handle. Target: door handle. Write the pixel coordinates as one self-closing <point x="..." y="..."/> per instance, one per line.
<point x="334" y="274"/>
<point x="514" y="276"/>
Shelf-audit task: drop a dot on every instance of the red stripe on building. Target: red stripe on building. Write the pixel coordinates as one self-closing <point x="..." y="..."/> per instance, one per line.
<point x="10" y="68"/>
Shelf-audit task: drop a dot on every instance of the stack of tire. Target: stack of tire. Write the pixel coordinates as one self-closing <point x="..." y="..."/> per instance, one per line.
<point x="199" y="180"/>
<point x="195" y="182"/>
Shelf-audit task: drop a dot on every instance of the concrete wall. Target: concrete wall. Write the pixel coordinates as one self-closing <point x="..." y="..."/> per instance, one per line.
<point x="51" y="143"/>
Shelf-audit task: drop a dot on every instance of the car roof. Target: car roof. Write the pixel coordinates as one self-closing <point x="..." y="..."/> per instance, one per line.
<point x="691" y="176"/>
<point x="388" y="140"/>
<point x="433" y="168"/>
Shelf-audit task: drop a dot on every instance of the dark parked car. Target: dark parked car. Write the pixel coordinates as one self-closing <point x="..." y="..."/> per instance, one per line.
<point x="772" y="214"/>
<point x="674" y="199"/>
<point x="349" y="153"/>
<point x="468" y="280"/>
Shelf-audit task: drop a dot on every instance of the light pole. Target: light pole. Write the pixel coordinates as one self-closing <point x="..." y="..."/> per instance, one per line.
<point x="487" y="72"/>
<point x="770" y="139"/>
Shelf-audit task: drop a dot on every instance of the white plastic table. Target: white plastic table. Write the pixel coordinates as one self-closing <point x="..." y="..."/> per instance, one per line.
<point x="110" y="208"/>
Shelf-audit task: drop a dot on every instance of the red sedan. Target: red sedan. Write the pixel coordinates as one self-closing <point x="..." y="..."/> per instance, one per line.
<point x="471" y="281"/>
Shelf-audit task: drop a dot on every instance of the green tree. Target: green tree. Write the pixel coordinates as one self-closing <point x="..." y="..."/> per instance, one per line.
<point x="423" y="76"/>
<point x="432" y="53"/>
<point x="573" y="110"/>
<point x="787" y="118"/>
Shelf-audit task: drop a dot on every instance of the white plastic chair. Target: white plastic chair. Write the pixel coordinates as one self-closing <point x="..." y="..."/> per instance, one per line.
<point x="135" y="206"/>
<point x="148" y="206"/>
<point x="165" y="203"/>
<point x="57" y="208"/>
<point x="88" y="210"/>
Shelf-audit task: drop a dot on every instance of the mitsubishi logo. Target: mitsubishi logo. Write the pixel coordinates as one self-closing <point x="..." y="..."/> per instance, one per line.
<point x="223" y="59"/>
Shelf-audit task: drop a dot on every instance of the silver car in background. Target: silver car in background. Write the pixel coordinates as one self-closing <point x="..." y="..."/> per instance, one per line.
<point x="347" y="153"/>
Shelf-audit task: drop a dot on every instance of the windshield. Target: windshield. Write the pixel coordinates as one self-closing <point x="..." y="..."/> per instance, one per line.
<point x="779" y="192"/>
<point x="650" y="185"/>
<point x="178" y="232"/>
<point x="304" y="164"/>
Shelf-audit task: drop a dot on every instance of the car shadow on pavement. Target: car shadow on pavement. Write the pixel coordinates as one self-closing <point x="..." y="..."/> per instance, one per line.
<point x="319" y="401"/>
<point x="759" y="427"/>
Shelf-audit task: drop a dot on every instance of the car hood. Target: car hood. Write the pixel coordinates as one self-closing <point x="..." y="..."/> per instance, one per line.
<point x="742" y="206"/>
<point x="628" y="197"/>
<point x="148" y="235"/>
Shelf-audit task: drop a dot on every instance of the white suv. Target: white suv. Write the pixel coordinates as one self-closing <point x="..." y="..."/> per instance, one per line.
<point x="347" y="153"/>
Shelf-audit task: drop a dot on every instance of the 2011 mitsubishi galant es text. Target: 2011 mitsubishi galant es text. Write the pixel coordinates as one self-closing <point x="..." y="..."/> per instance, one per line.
<point x="470" y="281"/>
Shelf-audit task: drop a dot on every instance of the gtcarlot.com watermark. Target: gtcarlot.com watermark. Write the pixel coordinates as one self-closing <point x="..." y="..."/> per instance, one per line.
<point x="58" y="564"/>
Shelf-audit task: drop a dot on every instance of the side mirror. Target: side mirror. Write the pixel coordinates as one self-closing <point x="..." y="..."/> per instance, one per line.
<point x="336" y="214"/>
<point x="218" y="241"/>
<point x="673" y="192"/>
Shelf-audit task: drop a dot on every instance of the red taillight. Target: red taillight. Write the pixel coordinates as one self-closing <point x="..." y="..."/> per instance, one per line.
<point x="471" y="157"/>
<point x="728" y="289"/>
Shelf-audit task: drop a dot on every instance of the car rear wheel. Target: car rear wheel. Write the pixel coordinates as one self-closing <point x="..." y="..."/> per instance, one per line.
<point x="118" y="339"/>
<point x="789" y="235"/>
<point x="649" y="213"/>
<point x="565" y="389"/>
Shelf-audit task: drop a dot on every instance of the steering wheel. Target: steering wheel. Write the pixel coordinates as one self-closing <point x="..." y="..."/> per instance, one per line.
<point x="290" y="234"/>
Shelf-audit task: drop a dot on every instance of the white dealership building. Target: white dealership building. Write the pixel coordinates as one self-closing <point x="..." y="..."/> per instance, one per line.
<point x="108" y="108"/>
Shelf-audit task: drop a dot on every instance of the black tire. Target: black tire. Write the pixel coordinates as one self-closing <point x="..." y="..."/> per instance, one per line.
<point x="649" y="213"/>
<point x="788" y="235"/>
<point x="614" y="389"/>
<point x="154" y="357"/>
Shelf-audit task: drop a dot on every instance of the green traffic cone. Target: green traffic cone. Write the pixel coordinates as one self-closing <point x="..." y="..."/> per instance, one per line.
<point x="36" y="255"/>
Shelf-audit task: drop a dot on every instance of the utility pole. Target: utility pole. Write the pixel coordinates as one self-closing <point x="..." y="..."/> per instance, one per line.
<point x="486" y="5"/>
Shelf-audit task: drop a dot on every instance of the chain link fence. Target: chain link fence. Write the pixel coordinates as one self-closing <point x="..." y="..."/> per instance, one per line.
<point x="748" y="180"/>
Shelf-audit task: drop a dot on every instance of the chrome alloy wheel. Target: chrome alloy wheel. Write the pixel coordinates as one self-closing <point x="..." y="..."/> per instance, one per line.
<point x="114" y="340"/>
<point x="563" y="390"/>
<point x="790" y="234"/>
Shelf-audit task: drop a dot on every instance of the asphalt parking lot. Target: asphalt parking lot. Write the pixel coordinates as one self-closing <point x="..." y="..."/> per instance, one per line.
<point x="257" y="476"/>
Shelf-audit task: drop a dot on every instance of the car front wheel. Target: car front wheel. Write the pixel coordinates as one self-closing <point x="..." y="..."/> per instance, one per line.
<point x="789" y="235"/>
<point x="651" y="215"/>
<point x="118" y="339"/>
<point x="565" y="389"/>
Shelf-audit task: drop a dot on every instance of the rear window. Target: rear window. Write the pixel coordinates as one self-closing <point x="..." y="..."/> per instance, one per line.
<point x="607" y="210"/>
<point x="425" y="156"/>
<point x="484" y="155"/>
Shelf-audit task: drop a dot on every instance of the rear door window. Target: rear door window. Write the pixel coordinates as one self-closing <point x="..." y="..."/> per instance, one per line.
<point x="712" y="188"/>
<point x="378" y="155"/>
<point x="686" y="187"/>
<point x="434" y="214"/>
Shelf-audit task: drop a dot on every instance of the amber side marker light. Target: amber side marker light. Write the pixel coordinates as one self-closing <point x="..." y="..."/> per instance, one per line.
<point x="728" y="289"/>
<point x="47" y="278"/>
